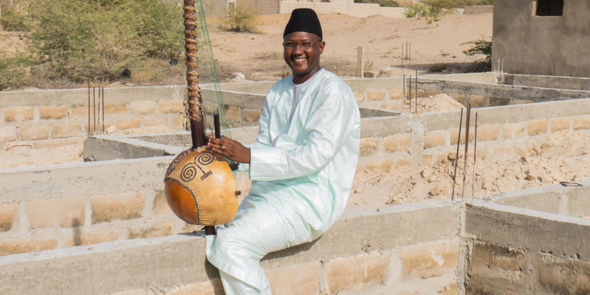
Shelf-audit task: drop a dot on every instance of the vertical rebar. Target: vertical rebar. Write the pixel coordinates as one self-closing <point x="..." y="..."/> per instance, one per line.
<point x="404" y="86"/>
<point x="99" y="108"/>
<point x="88" y="128"/>
<point x="474" y="158"/>
<point x="410" y="92"/>
<point x="457" y="155"/>
<point x="102" y="109"/>
<point x="466" y="148"/>
<point x="416" y="92"/>
<point x="94" y="109"/>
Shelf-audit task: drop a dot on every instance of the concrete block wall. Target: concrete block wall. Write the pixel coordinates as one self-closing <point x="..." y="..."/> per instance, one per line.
<point x="410" y="249"/>
<point x="503" y="132"/>
<point x="48" y="118"/>
<point x="569" y="199"/>
<point x="523" y="251"/>
<point x="84" y="203"/>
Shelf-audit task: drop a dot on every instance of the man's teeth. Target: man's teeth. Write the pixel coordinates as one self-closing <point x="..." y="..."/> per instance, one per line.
<point x="299" y="59"/>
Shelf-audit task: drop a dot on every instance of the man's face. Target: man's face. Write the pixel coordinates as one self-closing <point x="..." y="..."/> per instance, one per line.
<point x="302" y="52"/>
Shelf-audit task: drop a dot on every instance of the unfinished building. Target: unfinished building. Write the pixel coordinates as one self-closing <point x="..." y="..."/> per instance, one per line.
<point x="103" y="227"/>
<point x="542" y="42"/>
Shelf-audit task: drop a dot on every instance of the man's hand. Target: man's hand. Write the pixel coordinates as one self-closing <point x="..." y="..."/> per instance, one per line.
<point x="229" y="148"/>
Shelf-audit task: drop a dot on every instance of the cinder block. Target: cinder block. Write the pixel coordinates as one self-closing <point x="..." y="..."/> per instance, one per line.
<point x="7" y="213"/>
<point x="77" y="112"/>
<point x="9" y="247"/>
<point x="487" y="132"/>
<point x="33" y="132"/>
<point x="353" y="273"/>
<point x="537" y="127"/>
<point x="147" y="122"/>
<point x="19" y="113"/>
<point x="578" y="201"/>
<point x="368" y="146"/>
<point x="67" y="130"/>
<point x="7" y="133"/>
<point x="400" y="162"/>
<point x="250" y="115"/>
<point x="427" y="159"/>
<point x="160" y="203"/>
<point x="382" y="165"/>
<point x="233" y="114"/>
<point x="295" y="279"/>
<point x="435" y="138"/>
<point x="66" y="212"/>
<point x="359" y="96"/>
<point x="521" y="149"/>
<point x="92" y="236"/>
<point x="51" y="143"/>
<point x="498" y="262"/>
<point x="53" y="112"/>
<point x="177" y="123"/>
<point x="455" y="135"/>
<point x="375" y="94"/>
<point x="431" y="259"/>
<point x="515" y="130"/>
<point x="114" y="108"/>
<point x="117" y="206"/>
<point x="450" y="289"/>
<point x="558" y="124"/>
<point x="156" y="230"/>
<point x="396" y="94"/>
<point x="142" y="107"/>
<point x="210" y="287"/>
<point x="563" y="275"/>
<point x="581" y="122"/>
<point x="400" y="142"/>
<point x="171" y="106"/>
<point x="46" y="244"/>
<point x="392" y="105"/>
<point x="128" y="123"/>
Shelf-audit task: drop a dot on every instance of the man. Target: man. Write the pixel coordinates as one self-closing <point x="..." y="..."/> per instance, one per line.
<point x="302" y="164"/>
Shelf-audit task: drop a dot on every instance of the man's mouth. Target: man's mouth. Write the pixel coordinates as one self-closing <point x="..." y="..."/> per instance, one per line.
<point x="299" y="60"/>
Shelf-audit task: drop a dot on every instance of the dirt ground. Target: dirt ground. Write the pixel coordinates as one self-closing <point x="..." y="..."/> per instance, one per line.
<point x="259" y="56"/>
<point x="561" y="156"/>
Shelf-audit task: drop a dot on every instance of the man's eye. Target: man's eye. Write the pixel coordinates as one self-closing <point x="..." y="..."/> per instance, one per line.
<point x="306" y="44"/>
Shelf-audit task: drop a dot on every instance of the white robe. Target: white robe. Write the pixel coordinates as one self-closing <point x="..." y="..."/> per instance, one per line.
<point x="302" y="167"/>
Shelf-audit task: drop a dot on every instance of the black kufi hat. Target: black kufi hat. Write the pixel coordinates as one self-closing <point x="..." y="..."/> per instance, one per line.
<point x="304" y="20"/>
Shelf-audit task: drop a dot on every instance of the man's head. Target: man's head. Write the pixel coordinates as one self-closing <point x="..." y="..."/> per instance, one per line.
<point x="302" y="44"/>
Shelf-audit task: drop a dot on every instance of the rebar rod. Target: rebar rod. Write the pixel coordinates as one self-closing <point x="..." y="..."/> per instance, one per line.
<point x="88" y="128"/>
<point x="474" y="158"/>
<point x="467" y="117"/>
<point x="457" y="155"/>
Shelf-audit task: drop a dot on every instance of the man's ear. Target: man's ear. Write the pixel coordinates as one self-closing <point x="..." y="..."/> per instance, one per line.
<point x="322" y="45"/>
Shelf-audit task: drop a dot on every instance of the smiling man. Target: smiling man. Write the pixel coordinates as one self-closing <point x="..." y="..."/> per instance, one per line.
<point x="302" y="164"/>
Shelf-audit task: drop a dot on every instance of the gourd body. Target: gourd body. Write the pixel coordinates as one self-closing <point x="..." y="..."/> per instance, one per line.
<point x="200" y="188"/>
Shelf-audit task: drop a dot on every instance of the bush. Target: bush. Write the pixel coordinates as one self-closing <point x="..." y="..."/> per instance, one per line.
<point x="416" y="10"/>
<point x="81" y="40"/>
<point x="13" y="20"/>
<point x="13" y="71"/>
<point x="483" y="47"/>
<point x="384" y="3"/>
<point x="240" y="20"/>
